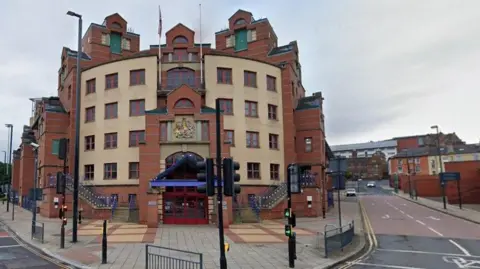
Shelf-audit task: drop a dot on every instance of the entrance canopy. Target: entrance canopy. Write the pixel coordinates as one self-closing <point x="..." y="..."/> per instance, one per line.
<point x="175" y="183"/>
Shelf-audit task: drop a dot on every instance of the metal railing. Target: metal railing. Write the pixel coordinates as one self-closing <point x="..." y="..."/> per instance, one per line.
<point x="157" y="257"/>
<point x="337" y="238"/>
<point x="38" y="231"/>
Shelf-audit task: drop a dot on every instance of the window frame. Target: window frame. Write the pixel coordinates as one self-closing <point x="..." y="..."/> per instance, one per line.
<point x="250" y="136"/>
<point x="112" y="173"/>
<point x="89" y="174"/>
<point x="111" y="81"/>
<point x="254" y="171"/>
<point x="110" y="143"/>
<point x="108" y="111"/>
<point x="89" y="143"/>
<point x="232" y="142"/>
<point x="223" y="106"/>
<point x="137" y="112"/>
<point x="274" y="171"/>
<point x="90" y="111"/>
<point x="224" y="75"/>
<point x="91" y="86"/>
<point x="271" y="83"/>
<point x="136" y="172"/>
<point x="308" y="146"/>
<point x="250" y="79"/>
<point x="136" y="137"/>
<point x="137" y="77"/>
<point x="272" y="112"/>
<point x="249" y="111"/>
<point x="273" y="141"/>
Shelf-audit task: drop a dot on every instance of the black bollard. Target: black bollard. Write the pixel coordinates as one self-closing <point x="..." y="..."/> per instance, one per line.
<point x="104" y="243"/>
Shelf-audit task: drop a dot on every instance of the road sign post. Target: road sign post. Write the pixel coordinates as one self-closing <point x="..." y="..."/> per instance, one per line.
<point x="445" y="177"/>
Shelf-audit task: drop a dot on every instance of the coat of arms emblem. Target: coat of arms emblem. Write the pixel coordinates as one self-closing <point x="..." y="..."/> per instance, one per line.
<point x="184" y="129"/>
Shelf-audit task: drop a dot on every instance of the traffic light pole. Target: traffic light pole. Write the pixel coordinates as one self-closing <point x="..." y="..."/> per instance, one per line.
<point x="291" y="238"/>
<point x="223" y="259"/>
<point x="62" y="229"/>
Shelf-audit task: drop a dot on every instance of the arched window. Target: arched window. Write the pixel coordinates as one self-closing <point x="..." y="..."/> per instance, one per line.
<point x="116" y="25"/>
<point x="170" y="160"/>
<point x="184" y="103"/>
<point x="176" y="77"/>
<point x="180" y="40"/>
<point x="240" y="21"/>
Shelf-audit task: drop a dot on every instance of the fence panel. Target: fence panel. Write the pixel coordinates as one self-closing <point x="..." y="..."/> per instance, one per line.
<point x="337" y="238"/>
<point x="168" y="258"/>
<point x="38" y="231"/>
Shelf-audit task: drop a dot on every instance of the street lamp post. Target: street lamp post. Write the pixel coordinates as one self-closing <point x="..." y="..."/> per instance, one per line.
<point x="8" y="172"/>
<point x="5" y="167"/>
<point x="439" y="151"/>
<point x="77" y="129"/>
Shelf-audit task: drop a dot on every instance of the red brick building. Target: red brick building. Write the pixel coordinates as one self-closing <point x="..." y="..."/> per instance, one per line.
<point x="150" y="123"/>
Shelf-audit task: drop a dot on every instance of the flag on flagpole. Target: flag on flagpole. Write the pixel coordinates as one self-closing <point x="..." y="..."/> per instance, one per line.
<point x="159" y="21"/>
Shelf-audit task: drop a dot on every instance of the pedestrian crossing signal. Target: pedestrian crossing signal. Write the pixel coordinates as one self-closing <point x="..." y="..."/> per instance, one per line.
<point x="288" y="230"/>
<point x="287" y="213"/>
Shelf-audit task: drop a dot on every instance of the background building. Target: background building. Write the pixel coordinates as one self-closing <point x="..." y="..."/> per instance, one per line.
<point x="144" y="119"/>
<point x="372" y="167"/>
<point x="387" y="147"/>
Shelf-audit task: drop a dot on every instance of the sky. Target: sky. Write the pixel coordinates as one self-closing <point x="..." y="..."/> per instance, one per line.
<point x="386" y="68"/>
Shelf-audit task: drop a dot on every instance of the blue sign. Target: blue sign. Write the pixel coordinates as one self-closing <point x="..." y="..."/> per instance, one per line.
<point x="337" y="165"/>
<point x="449" y="176"/>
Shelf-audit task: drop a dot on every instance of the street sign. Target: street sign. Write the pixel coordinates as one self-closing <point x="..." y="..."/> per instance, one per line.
<point x="449" y="176"/>
<point x="337" y="165"/>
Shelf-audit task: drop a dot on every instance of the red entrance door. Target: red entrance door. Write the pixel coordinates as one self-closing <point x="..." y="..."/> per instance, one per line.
<point x="183" y="205"/>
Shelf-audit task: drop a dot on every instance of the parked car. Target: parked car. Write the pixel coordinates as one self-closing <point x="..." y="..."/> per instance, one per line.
<point x="350" y="192"/>
<point x="371" y="184"/>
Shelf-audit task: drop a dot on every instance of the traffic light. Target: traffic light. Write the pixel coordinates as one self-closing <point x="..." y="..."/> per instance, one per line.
<point x="60" y="183"/>
<point x="205" y="174"/>
<point x="63" y="149"/>
<point x="288" y="230"/>
<point x="230" y="177"/>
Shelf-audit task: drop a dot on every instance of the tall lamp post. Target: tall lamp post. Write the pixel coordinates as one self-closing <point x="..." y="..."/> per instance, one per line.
<point x="439" y="151"/>
<point x="5" y="166"/>
<point x="77" y="129"/>
<point x="8" y="172"/>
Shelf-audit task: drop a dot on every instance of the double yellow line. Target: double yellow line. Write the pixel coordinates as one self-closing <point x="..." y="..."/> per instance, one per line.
<point x="372" y="240"/>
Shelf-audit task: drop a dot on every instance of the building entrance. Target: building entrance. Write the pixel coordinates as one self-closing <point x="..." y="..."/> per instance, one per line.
<point x="183" y="205"/>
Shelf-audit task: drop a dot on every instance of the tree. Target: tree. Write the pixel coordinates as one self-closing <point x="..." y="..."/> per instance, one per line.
<point x="4" y="179"/>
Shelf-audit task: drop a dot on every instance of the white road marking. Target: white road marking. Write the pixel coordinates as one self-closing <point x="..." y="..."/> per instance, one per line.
<point x="396" y="208"/>
<point x="425" y="252"/>
<point x="420" y="222"/>
<point x="387" y="266"/>
<point x="404" y="204"/>
<point x="462" y="249"/>
<point x="10" y="246"/>
<point x="402" y="212"/>
<point x="409" y="216"/>
<point x="435" y="231"/>
<point x="386" y="217"/>
<point x="432" y="217"/>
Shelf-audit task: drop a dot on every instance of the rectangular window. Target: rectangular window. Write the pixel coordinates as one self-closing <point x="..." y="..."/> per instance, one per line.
<point x="253" y="170"/>
<point x="274" y="171"/>
<point x="89" y="142"/>
<point x="55" y="146"/>
<point x="110" y="141"/>
<point x="224" y="75"/>
<point x="137" y="77"/>
<point x="126" y="43"/>
<point x="110" y="171"/>
<point x="227" y="106"/>
<point x="89" y="171"/>
<point x="251" y="35"/>
<point x="273" y="141"/>
<point x="229" y="40"/>
<point x="180" y="55"/>
<point x="251" y="109"/>
<point x="91" y="86"/>
<point x="271" y="83"/>
<point x="90" y="114"/>
<point x="272" y="112"/>
<point x="135" y="138"/>
<point x="205" y="131"/>
<point x="115" y="43"/>
<point x="133" y="170"/>
<point x="111" y="81"/>
<point x="163" y="131"/>
<point x="105" y="39"/>
<point x="252" y="140"/>
<point x="241" y="40"/>
<point x="230" y="137"/>
<point x="111" y="111"/>
<point x="308" y="144"/>
<point x="137" y="107"/>
<point x="250" y="79"/>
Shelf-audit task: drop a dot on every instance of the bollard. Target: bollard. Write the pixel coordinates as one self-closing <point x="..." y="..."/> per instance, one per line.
<point x="104" y="242"/>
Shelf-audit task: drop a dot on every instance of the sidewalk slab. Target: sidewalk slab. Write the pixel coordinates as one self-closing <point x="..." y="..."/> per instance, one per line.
<point x="87" y="252"/>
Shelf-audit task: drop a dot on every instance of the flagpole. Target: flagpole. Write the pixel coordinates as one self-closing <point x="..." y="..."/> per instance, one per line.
<point x="201" y="47"/>
<point x="159" y="46"/>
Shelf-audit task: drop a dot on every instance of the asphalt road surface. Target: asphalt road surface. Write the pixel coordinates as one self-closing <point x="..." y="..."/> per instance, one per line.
<point x="411" y="236"/>
<point x="14" y="255"/>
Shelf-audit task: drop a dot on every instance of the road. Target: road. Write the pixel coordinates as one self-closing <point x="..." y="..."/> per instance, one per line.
<point x="14" y="255"/>
<point x="411" y="236"/>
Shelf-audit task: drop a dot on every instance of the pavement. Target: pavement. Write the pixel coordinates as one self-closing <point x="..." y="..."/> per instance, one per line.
<point x="411" y="235"/>
<point x="260" y="245"/>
